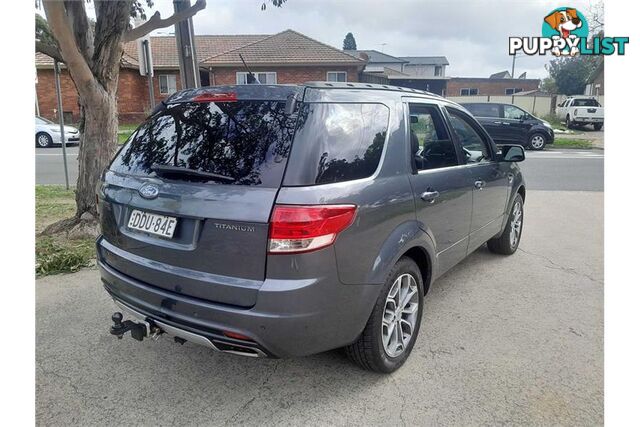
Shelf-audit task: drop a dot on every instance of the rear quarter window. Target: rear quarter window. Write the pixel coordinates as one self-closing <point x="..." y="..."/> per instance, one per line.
<point x="337" y="142"/>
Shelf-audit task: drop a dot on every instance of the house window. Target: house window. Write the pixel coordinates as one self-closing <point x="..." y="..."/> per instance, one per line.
<point x="337" y="76"/>
<point x="167" y="83"/>
<point x="437" y="71"/>
<point x="469" y="91"/>
<point x="265" y="78"/>
<point x="511" y="91"/>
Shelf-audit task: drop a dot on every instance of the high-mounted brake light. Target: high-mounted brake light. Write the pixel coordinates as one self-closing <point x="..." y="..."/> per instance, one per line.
<point x="216" y="97"/>
<point x="296" y="229"/>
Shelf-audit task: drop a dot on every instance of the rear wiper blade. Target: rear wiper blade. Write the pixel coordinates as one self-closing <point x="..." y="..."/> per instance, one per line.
<point x="166" y="169"/>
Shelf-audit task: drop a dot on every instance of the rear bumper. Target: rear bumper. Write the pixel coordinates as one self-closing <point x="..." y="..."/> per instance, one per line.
<point x="290" y="318"/>
<point x="589" y="120"/>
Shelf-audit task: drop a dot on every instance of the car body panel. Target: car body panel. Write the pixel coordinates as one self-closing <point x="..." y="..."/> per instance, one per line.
<point x="210" y="279"/>
<point x="505" y="130"/>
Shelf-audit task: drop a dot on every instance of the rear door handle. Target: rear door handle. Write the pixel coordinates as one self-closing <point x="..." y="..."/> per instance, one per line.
<point x="479" y="184"/>
<point x="429" y="196"/>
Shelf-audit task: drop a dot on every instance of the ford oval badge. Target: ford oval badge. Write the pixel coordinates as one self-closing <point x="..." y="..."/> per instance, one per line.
<point x="149" y="191"/>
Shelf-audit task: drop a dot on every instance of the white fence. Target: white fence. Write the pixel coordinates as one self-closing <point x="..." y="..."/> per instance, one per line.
<point x="538" y="105"/>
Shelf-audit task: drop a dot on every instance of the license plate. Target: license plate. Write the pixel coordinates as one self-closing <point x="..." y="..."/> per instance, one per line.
<point x="159" y="225"/>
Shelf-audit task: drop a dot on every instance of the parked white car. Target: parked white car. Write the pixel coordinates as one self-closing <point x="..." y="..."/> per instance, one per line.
<point x="48" y="133"/>
<point x="581" y="110"/>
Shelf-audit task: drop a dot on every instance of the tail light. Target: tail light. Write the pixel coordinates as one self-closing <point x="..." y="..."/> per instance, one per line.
<point x="296" y="229"/>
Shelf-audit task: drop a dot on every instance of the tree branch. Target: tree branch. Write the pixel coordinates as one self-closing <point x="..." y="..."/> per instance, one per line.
<point x="49" y="50"/>
<point x="156" y="22"/>
<point x="81" y="29"/>
<point x="61" y="29"/>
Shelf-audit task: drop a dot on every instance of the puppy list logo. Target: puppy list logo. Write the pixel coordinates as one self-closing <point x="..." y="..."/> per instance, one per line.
<point x="565" y="31"/>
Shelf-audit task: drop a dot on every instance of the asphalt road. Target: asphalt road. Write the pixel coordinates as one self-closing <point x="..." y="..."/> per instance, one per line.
<point x="504" y="340"/>
<point x="50" y="165"/>
<point x="546" y="170"/>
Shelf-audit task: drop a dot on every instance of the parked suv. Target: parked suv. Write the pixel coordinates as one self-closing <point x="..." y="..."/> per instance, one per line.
<point x="509" y="124"/>
<point x="290" y="220"/>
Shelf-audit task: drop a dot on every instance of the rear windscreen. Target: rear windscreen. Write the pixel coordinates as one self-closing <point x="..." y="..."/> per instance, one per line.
<point x="585" y="103"/>
<point x="246" y="142"/>
<point x="337" y="142"/>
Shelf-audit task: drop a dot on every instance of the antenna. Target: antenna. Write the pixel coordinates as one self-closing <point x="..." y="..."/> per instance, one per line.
<point x="251" y="79"/>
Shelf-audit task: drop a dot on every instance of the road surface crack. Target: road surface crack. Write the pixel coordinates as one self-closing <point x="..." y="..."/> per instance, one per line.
<point x="555" y="266"/>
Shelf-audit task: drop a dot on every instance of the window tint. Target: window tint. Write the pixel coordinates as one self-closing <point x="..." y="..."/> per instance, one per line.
<point x="431" y="147"/>
<point x="585" y="103"/>
<point x="483" y="110"/>
<point x="337" y="142"/>
<point x="247" y="141"/>
<point x="476" y="149"/>
<point x="511" y="112"/>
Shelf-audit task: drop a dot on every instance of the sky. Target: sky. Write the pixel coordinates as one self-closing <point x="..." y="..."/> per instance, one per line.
<point x="473" y="35"/>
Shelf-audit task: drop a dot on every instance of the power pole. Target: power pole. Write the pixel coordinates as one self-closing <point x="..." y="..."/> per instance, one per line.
<point x="189" y="72"/>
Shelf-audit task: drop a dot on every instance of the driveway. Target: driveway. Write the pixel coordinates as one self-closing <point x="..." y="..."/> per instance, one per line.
<point x="504" y="340"/>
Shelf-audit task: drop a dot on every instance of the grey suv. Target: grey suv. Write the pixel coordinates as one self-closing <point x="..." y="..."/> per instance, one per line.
<point x="289" y="220"/>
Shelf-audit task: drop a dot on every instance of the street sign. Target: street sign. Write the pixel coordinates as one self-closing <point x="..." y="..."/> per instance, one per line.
<point x="145" y="59"/>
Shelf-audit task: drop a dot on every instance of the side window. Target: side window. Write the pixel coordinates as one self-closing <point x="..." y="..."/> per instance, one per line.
<point x="431" y="146"/>
<point x="337" y="142"/>
<point x="511" y="112"/>
<point x="475" y="147"/>
<point x="483" y="110"/>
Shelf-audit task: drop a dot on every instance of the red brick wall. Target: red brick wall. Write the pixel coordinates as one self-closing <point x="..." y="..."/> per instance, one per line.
<point x="46" y="93"/>
<point x="133" y="94"/>
<point x="489" y="86"/>
<point x="133" y="91"/>
<point x="286" y="75"/>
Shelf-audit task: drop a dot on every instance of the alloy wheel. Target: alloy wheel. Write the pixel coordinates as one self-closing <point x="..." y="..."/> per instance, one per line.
<point x="537" y="142"/>
<point x="43" y="140"/>
<point x="516" y="224"/>
<point x="400" y="315"/>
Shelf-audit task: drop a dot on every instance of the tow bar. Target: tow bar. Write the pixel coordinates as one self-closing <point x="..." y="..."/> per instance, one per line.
<point x="138" y="330"/>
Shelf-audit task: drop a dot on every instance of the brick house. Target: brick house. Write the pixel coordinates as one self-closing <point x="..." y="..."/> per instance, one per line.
<point x="285" y="57"/>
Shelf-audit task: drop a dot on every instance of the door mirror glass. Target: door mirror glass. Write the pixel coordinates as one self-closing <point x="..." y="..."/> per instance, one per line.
<point x="512" y="153"/>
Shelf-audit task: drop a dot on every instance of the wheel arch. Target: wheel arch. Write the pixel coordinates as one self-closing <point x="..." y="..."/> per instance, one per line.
<point x="408" y="239"/>
<point x="422" y="259"/>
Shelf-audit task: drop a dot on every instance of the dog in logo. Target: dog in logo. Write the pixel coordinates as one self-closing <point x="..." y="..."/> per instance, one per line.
<point x="564" y="22"/>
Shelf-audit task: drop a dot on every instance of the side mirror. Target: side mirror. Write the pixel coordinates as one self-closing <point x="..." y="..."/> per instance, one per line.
<point x="511" y="153"/>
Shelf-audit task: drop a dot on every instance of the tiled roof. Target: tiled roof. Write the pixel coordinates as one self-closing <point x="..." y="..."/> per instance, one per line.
<point x="287" y="47"/>
<point x="165" y="53"/>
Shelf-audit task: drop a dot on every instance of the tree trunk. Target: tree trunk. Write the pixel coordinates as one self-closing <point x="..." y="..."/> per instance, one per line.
<point x="97" y="145"/>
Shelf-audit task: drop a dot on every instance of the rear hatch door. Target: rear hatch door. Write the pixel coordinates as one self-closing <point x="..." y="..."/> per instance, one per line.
<point x="186" y="203"/>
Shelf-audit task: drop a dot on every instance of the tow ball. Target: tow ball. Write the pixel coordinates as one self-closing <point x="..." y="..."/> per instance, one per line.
<point x="138" y="330"/>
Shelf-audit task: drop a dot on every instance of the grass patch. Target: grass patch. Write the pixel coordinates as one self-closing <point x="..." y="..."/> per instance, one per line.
<point x="57" y="254"/>
<point x="124" y="132"/>
<point x="572" y="143"/>
<point x="554" y="121"/>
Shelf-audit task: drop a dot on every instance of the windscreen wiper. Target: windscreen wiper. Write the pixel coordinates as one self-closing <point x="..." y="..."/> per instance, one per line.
<point x="177" y="170"/>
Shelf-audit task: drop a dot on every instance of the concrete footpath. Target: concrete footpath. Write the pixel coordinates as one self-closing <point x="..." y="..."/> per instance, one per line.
<point x="504" y="340"/>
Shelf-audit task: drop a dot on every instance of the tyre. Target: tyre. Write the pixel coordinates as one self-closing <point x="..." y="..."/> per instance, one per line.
<point x="43" y="140"/>
<point x="392" y="328"/>
<point x="597" y="126"/>
<point x="569" y="122"/>
<point x="537" y="141"/>
<point x="507" y="242"/>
